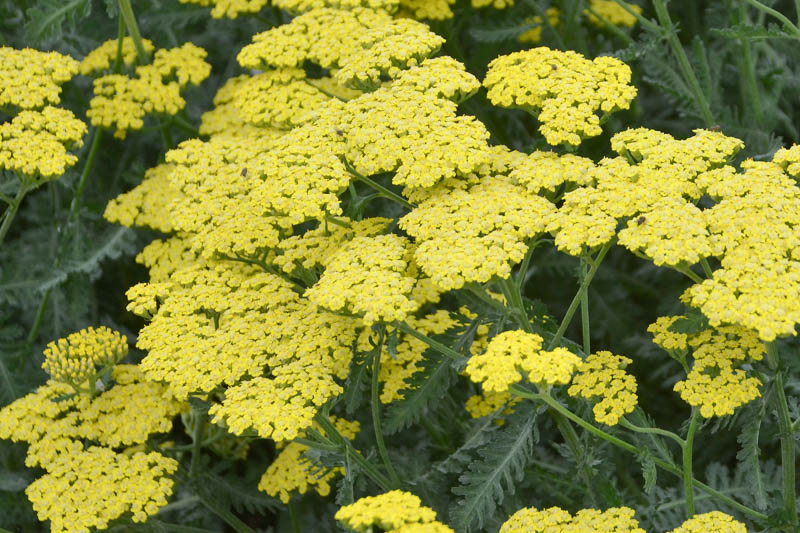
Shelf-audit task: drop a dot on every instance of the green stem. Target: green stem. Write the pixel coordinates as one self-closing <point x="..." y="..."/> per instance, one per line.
<point x="688" y="475"/>
<point x="571" y="438"/>
<point x="185" y="125"/>
<point x="514" y="300"/>
<point x="166" y="136"/>
<point x="376" y="412"/>
<point x="336" y="222"/>
<point x="647" y="23"/>
<point x="689" y="274"/>
<point x="11" y="210"/>
<point x="197" y="441"/>
<point x="787" y="438"/>
<point x="551" y="402"/>
<point x="333" y="433"/>
<point x="523" y="268"/>
<point x="748" y="71"/>
<point x="683" y="61"/>
<point x="126" y="11"/>
<point x="120" y="37"/>
<point x="788" y="26"/>
<point x="587" y="344"/>
<point x="293" y="518"/>
<point x="383" y="191"/>
<point x="653" y="431"/>
<point x="706" y="268"/>
<point x="87" y="168"/>
<point x="7" y="199"/>
<point x="573" y="306"/>
<point x="436" y="345"/>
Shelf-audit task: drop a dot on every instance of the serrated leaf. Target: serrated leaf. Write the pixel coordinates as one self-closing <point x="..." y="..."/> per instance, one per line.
<point x="47" y="18"/>
<point x="751" y="32"/>
<point x="649" y="471"/>
<point x="500" y="466"/>
<point x="749" y="455"/>
<point x="425" y="387"/>
<point x="479" y="434"/>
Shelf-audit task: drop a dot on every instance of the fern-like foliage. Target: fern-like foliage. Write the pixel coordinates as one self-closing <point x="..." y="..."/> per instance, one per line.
<point x="46" y="20"/>
<point x="749" y="455"/>
<point x="499" y="466"/>
<point x="425" y="387"/>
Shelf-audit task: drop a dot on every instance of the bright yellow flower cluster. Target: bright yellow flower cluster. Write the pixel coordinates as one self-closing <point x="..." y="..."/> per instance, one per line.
<point x="603" y="375"/>
<point x="122" y="102"/>
<point x="75" y="359"/>
<point x="427" y="9"/>
<point x="368" y="276"/>
<point x="557" y="520"/>
<point x="230" y="8"/>
<point x="385" y="51"/>
<point x="102" y="58"/>
<point x="547" y="170"/>
<point x="789" y="160"/>
<point x="474" y="234"/>
<point x="395" y="511"/>
<point x="30" y="79"/>
<point x="292" y="472"/>
<point x="753" y="230"/>
<point x="87" y="489"/>
<point x="481" y="405"/>
<point x="714" y="521"/>
<point x="564" y="89"/>
<point x="716" y="382"/>
<point x="302" y="6"/>
<point x="514" y="355"/>
<point x="146" y="205"/>
<point x="443" y="76"/>
<point x="534" y="35"/>
<point x="497" y="4"/>
<point x="35" y="143"/>
<point x="612" y="12"/>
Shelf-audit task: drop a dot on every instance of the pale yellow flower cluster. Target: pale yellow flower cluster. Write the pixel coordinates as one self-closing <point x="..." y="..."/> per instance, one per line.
<point x="30" y="79"/>
<point x="393" y="512"/>
<point x="602" y="375"/>
<point x="122" y="102"/>
<point x="564" y="89"/>
<point x="301" y="6"/>
<point x="230" y="8"/>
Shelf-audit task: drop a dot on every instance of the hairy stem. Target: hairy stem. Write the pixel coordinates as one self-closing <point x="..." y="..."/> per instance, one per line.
<point x="126" y="12"/>
<point x="11" y="211"/>
<point x="587" y="343"/>
<point x="376" y="412"/>
<point x="688" y="476"/>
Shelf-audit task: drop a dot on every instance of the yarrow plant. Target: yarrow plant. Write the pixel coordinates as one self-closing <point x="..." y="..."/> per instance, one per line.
<point x="399" y="266"/>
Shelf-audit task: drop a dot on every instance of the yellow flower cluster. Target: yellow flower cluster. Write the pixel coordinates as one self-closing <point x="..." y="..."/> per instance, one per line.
<point x="497" y="4"/>
<point x="229" y="8"/>
<point x="146" y="205"/>
<point x="481" y="405"/>
<point x="302" y="6"/>
<point x="514" y="355"/>
<point x="547" y="170"/>
<point x="75" y="359"/>
<point x="102" y="58"/>
<point x="368" y="276"/>
<point x="443" y="76"/>
<point x="789" y="160"/>
<point x="612" y="12"/>
<point x="534" y="35"/>
<point x="292" y="472"/>
<point x="224" y="122"/>
<point x="557" y="520"/>
<point x="716" y="383"/>
<point x="603" y="375"/>
<point x="122" y="102"/>
<point x="753" y="232"/>
<point x="714" y="521"/>
<point x="35" y="143"/>
<point x="87" y="489"/>
<point x="30" y="79"/>
<point x="564" y="89"/>
<point x="472" y="235"/>
<point x="385" y="51"/>
<point x="395" y="511"/>
<point x="427" y="9"/>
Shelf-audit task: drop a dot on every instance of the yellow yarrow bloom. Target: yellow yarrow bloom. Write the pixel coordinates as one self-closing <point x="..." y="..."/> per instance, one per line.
<point x="564" y="89"/>
<point x="146" y="205"/>
<point x="514" y="355"/>
<point x="612" y="12"/>
<point x="230" y="8"/>
<point x="75" y="359"/>
<point x="87" y="489"/>
<point x="30" y="79"/>
<point x="427" y="9"/>
<point x="497" y="4"/>
<point x="385" y="51"/>
<point x="442" y="76"/>
<point x="557" y="520"/>
<point x="488" y="402"/>
<point x="534" y="35"/>
<point x="368" y="276"/>
<point x="35" y="143"/>
<point x="292" y="472"/>
<point x="789" y="159"/>
<point x="302" y="6"/>
<point x="603" y="375"/>
<point x="388" y="511"/>
<point x="102" y="58"/>
<point x="664" y="337"/>
<point x="547" y="170"/>
<point x="715" y="521"/>
<point x="472" y="235"/>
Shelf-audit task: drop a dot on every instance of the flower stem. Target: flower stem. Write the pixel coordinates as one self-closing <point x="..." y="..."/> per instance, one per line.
<point x="573" y="306"/>
<point x="706" y="268"/>
<point x="587" y="344"/>
<point x="11" y="210"/>
<point x="126" y="12"/>
<point x="197" y="439"/>
<point x="787" y="24"/>
<point x="654" y="431"/>
<point x="87" y="168"/>
<point x="669" y="32"/>
<point x="787" y="439"/>
<point x="514" y="299"/>
<point x="436" y="345"/>
<point x="687" y="464"/>
<point x="376" y="411"/>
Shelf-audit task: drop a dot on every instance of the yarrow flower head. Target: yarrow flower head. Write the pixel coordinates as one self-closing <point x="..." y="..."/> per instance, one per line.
<point x="512" y="355"/>
<point x="390" y="511"/>
<point x="564" y="89"/>
<point x="102" y="58"/>
<point x="603" y="375"/>
<point x="534" y="35"/>
<point x="30" y="79"/>
<point x="557" y="520"/>
<point x="715" y="521"/>
<point x="612" y="12"/>
<point x="75" y="359"/>
<point x="230" y="8"/>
